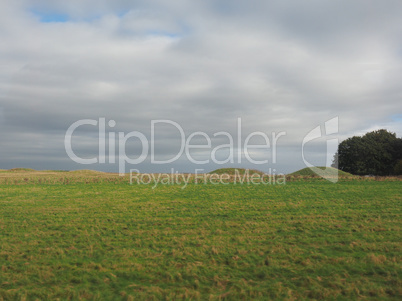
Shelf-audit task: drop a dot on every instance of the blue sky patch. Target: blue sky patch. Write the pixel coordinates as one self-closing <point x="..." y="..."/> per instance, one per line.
<point x="397" y="117"/>
<point x="48" y="17"/>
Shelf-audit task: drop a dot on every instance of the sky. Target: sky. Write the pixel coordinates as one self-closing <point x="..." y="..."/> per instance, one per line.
<point x="277" y="66"/>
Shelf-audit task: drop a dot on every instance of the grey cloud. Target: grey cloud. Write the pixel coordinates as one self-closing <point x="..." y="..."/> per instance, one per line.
<point x="279" y="66"/>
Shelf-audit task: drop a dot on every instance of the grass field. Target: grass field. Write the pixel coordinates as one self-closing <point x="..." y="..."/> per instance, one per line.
<point x="92" y="236"/>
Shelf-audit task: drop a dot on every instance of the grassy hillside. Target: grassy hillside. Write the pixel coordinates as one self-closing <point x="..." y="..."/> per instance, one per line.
<point x="21" y="169"/>
<point x="308" y="239"/>
<point x="330" y="171"/>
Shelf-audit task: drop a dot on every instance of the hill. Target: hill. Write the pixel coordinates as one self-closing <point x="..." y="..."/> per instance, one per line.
<point x="330" y="171"/>
<point x="20" y="169"/>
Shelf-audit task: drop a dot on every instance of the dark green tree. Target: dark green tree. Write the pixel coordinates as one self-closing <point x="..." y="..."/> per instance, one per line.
<point x="398" y="168"/>
<point x="375" y="153"/>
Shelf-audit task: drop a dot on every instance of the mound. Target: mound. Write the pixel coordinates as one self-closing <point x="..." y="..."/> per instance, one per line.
<point x="329" y="171"/>
<point x="232" y="171"/>
<point x="20" y="169"/>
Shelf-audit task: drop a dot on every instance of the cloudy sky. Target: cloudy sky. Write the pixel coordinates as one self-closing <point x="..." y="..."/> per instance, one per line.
<point x="280" y="66"/>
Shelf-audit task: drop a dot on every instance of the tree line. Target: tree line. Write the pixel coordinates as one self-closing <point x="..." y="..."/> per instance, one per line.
<point x="376" y="153"/>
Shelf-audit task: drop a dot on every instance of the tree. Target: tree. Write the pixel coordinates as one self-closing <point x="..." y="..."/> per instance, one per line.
<point x="398" y="168"/>
<point x="375" y="153"/>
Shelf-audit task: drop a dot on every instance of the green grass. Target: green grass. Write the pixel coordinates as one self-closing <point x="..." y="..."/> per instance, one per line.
<point x="308" y="239"/>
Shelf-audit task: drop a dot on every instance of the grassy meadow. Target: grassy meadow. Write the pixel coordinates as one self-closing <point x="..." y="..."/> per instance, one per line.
<point x="93" y="236"/>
